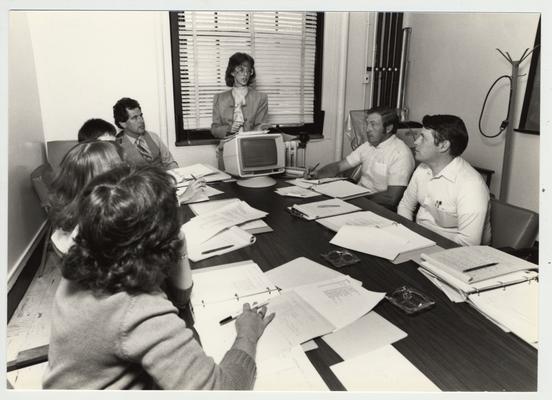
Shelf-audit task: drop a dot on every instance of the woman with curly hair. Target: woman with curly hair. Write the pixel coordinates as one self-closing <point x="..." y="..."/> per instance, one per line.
<point x="241" y="108"/>
<point x="112" y="325"/>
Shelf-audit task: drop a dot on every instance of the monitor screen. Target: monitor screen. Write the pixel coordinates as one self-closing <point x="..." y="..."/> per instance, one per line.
<point x="258" y="152"/>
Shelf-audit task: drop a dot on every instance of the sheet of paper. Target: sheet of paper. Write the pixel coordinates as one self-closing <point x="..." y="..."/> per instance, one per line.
<point x="382" y="370"/>
<point x="341" y="189"/>
<point x="368" y="333"/>
<point x="453" y="295"/>
<point x="369" y="240"/>
<point x="309" y="345"/>
<point x="414" y="241"/>
<point x="296" y="191"/>
<point x="456" y="261"/>
<point x="227" y="282"/>
<point x="190" y="172"/>
<point x="302" y="271"/>
<point x="325" y="208"/>
<point x="415" y="255"/>
<point x="200" y="196"/>
<point x="364" y="218"/>
<point x="228" y="240"/>
<point x="288" y="371"/>
<point x="516" y="307"/>
<point x="339" y="300"/>
<point x="296" y="321"/>
<point x="205" y="226"/>
<point x="308" y="183"/>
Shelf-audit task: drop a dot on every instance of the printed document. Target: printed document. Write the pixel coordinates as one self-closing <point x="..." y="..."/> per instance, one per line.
<point x="224" y="242"/>
<point x="368" y="333"/>
<point x="296" y="191"/>
<point x="324" y="208"/>
<point x="195" y="171"/>
<point x="341" y="189"/>
<point x="205" y="226"/>
<point x="302" y="271"/>
<point x="382" y="370"/>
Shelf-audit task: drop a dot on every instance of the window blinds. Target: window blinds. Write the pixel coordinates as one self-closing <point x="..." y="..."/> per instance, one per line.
<point x="283" y="45"/>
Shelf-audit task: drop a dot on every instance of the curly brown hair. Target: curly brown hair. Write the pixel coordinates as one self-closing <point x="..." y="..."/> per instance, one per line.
<point x="128" y="232"/>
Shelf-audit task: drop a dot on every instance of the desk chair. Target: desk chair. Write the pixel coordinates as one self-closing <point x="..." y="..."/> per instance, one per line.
<point x="355" y="130"/>
<point x="512" y="226"/>
<point x="56" y="150"/>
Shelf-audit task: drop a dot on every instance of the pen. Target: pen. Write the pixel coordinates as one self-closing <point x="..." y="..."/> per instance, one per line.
<point x="327" y="205"/>
<point x="310" y="170"/>
<point x="217" y="249"/>
<point x="480" y="267"/>
<point x="193" y="177"/>
<point x="232" y="317"/>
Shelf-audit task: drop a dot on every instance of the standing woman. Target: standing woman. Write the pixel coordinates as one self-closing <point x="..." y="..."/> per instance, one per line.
<point x="112" y="325"/>
<point x="242" y="108"/>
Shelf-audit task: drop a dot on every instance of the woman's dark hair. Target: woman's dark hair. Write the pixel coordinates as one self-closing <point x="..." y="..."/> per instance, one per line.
<point x="81" y="163"/>
<point x="236" y="60"/>
<point x="94" y="128"/>
<point x="120" y="113"/>
<point x="448" y="127"/>
<point x="128" y="232"/>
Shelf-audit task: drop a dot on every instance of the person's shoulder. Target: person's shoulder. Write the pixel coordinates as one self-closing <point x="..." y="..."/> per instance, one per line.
<point x="149" y="304"/>
<point x="256" y="94"/>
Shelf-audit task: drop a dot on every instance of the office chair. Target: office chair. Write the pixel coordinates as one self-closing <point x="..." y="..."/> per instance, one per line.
<point x="355" y="130"/>
<point x="56" y="150"/>
<point x="512" y="227"/>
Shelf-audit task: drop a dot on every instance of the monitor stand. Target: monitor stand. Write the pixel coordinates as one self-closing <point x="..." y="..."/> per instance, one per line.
<point x="257" y="182"/>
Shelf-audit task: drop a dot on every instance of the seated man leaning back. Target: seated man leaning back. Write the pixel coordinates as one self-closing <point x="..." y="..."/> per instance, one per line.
<point x="452" y="195"/>
<point x="386" y="160"/>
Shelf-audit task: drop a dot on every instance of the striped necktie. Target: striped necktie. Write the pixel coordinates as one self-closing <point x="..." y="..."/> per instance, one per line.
<point x="143" y="149"/>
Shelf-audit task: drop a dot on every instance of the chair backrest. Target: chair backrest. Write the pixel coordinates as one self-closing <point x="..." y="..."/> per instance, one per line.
<point x="41" y="179"/>
<point x="56" y="150"/>
<point x="512" y="226"/>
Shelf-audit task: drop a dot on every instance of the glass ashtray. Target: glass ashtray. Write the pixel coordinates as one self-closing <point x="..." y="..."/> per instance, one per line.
<point x="340" y="258"/>
<point x="410" y="300"/>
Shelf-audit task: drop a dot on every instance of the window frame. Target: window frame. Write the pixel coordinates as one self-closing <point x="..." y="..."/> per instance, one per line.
<point x="194" y="137"/>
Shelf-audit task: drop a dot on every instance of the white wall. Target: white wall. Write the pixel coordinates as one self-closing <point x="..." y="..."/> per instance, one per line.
<point x="453" y="62"/>
<point x="25" y="143"/>
<point x="87" y="60"/>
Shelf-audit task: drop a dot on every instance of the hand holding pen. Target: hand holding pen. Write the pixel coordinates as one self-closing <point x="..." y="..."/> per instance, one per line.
<point x="252" y="322"/>
<point x="309" y="173"/>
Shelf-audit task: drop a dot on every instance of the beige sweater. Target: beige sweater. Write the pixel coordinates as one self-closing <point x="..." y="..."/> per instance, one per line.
<point x="124" y="341"/>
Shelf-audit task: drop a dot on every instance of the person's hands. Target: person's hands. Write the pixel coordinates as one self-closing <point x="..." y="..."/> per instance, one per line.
<point x="236" y="125"/>
<point x="193" y="188"/>
<point x="252" y="322"/>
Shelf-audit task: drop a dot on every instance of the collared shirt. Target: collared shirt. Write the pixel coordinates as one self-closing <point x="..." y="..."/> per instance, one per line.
<point x="390" y="163"/>
<point x="161" y="156"/>
<point x="454" y="203"/>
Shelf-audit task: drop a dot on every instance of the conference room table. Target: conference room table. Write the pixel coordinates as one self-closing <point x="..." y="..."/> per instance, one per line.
<point x="454" y="345"/>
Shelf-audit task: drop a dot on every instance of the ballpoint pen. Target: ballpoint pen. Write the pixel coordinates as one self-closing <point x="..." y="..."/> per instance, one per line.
<point x="327" y="205"/>
<point x="232" y="317"/>
<point x="310" y="170"/>
<point x="217" y="249"/>
<point x="480" y="267"/>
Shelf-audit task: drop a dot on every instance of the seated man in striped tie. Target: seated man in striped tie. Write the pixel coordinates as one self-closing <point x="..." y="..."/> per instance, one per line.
<point x="140" y="146"/>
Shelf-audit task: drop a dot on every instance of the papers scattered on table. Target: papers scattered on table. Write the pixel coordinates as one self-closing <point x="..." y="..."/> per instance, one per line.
<point x="207" y="172"/>
<point x="341" y="189"/>
<point x="302" y="271"/>
<point x="476" y="263"/>
<point x="309" y="183"/>
<point x="228" y="240"/>
<point x="359" y="218"/>
<point x="382" y="370"/>
<point x="290" y="370"/>
<point x="516" y="308"/>
<point x="368" y="333"/>
<point x="202" y="195"/>
<point x="386" y="241"/>
<point x="296" y="191"/>
<point x="253" y="227"/>
<point x="321" y="209"/>
<point x="205" y="226"/>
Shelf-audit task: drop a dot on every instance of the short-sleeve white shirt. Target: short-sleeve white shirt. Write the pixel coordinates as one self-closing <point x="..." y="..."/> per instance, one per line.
<point x="454" y="203"/>
<point x="390" y="163"/>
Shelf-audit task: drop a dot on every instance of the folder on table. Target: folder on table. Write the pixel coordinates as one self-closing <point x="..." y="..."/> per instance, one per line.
<point x="321" y="209"/>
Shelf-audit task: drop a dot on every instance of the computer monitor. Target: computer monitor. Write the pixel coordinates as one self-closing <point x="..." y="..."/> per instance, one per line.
<point x="253" y="157"/>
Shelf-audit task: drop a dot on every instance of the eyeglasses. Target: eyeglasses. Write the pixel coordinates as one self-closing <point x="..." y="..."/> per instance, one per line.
<point x="240" y="69"/>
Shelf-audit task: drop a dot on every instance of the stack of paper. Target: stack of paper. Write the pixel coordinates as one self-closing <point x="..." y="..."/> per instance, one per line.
<point x="341" y="189"/>
<point x="296" y="191"/>
<point x="386" y="241"/>
<point x="360" y="218"/>
<point x="201" y="230"/>
<point x="309" y="183"/>
<point x="195" y="171"/>
<point x="202" y="195"/>
<point x="322" y="209"/>
<point x="253" y="227"/>
<point x="381" y="370"/>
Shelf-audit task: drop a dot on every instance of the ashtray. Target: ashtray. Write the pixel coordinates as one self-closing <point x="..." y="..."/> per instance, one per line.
<point x="410" y="300"/>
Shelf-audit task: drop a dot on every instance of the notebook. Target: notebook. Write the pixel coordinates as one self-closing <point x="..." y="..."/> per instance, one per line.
<point x="321" y="209"/>
<point x="341" y="189"/>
